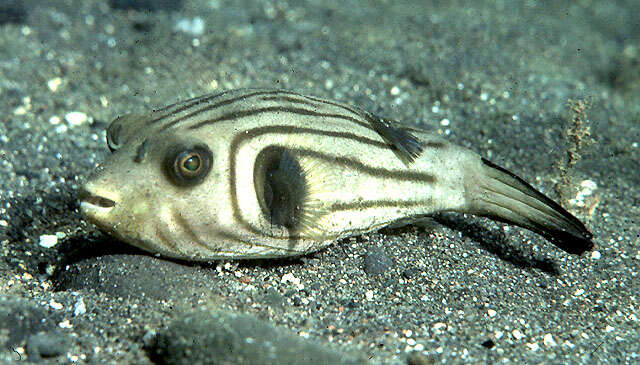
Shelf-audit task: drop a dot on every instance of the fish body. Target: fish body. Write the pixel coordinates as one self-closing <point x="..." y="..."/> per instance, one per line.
<point x="257" y="173"/>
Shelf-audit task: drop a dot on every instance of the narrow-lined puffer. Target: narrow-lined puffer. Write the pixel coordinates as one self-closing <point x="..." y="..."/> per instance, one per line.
<point x="271" y="173"/>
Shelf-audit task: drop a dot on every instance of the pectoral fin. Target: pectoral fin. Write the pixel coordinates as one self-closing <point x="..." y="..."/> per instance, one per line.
<point x="288" y="189"/>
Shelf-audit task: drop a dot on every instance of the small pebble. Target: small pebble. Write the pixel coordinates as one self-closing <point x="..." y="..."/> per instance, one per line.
<point x="193" y="26"/>
<point x="62" y="129"/>
<point x="328" y="84"/>
<point x="410" y="272"/>
<point x="48" y="240"/>
<point x="21" y="110"/>
<point x="533" y="346"/>
<point x="79" y="307"/>
<point x="376" y="261"/>
<point x="517" y="334"/>
<point x="289" y="278"/>
<point x="548" y="340"/>
<point x="54" y="84"/>
<point x="76" y="118"/>
<point x="439" y="326"/>
<point x="369" y="295"/>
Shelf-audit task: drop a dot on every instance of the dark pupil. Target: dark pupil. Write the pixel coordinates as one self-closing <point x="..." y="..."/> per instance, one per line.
<point x="192" y="163"/>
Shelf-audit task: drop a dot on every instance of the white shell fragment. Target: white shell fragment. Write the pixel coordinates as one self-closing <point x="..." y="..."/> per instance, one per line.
<point x="48" y="240"/>
<point x="76" y="118"/>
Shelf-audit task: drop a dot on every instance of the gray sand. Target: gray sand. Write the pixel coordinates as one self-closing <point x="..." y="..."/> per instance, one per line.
<point x="458" y="289"/>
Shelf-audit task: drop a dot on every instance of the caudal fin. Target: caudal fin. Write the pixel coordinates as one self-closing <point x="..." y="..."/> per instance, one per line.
<point x="498" y="194"/>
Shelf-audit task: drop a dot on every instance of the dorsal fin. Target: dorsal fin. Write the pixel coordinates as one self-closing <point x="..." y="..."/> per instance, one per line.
<point x="407" y="146"/>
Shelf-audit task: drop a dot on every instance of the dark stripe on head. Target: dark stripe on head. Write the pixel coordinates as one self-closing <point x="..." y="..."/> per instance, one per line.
<point x="143" y="150"/>
<point x="199" y="98"/>
<point x="182" y="221"/>
<point x="357" y="113"/>
<point x="209" y="107"/>
<point x="168" y="242"/>
<point x="184" y="105"/>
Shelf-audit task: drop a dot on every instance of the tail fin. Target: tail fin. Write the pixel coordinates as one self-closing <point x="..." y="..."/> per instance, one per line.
<point x="505" y="197"/>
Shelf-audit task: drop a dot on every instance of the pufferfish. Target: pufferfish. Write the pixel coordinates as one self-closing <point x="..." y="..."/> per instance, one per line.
<point x="270" y="173"/>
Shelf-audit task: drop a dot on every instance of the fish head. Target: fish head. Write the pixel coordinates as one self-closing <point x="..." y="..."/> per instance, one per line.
<point x="156" y="191"/>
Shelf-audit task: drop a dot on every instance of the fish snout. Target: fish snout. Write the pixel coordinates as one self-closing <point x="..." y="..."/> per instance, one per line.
<point x="96" y="203"/>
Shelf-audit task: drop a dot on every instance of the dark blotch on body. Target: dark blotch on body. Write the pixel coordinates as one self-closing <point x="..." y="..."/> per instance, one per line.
<point x="280" y="185"/>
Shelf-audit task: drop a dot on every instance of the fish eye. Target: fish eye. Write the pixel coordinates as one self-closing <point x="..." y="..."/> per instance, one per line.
<point x="189" y="166"/>
<point x="113" y="136"/>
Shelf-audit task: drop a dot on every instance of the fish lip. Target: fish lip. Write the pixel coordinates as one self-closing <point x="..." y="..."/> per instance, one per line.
<point x="94" y="201"/>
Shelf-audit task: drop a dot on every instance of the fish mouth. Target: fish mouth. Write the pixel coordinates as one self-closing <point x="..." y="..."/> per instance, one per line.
<point x="94" y="202"/>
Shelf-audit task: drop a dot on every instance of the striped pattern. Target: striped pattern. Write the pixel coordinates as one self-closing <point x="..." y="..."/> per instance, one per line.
<point x="359" y="174"/>
<point x="341" y="139"/>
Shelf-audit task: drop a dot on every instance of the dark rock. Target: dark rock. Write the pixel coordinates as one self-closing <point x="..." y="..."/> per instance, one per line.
<point x="418" y="358"/>
<point x="489" y="344"/>
<point x="218" y="337"/>
<point x="130" y="276"/>
<point x="46" y="344"/>
<point x="376" y="261"/>
<point x="410" y="272"/>
<point x="12" y="11"/>
<point x="274" y="299"/>
<point x="21" y="319"/>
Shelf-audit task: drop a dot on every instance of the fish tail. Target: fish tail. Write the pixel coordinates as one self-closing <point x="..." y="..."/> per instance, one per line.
<point x="500" y="195"/>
